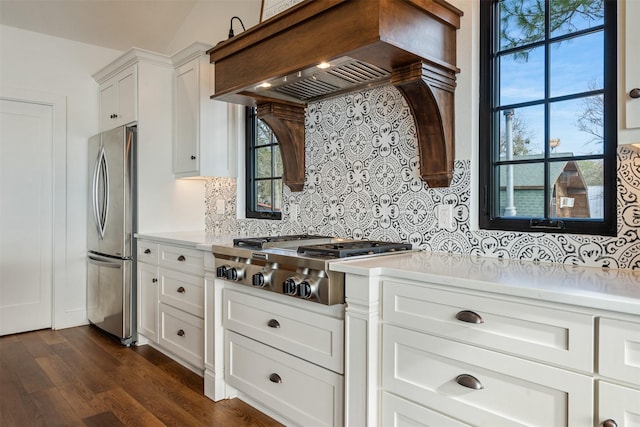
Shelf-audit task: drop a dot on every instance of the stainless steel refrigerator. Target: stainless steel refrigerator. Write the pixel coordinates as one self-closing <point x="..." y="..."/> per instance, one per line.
<point x="111" y="289"/>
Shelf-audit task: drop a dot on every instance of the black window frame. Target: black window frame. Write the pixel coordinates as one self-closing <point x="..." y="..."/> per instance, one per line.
<point x="489" y="87"/>
<point x="251" y="210"/>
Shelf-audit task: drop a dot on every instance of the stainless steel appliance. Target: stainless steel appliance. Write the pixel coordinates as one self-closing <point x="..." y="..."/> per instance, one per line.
<point x="111" y="227"/>
<point x="297" y="265"/>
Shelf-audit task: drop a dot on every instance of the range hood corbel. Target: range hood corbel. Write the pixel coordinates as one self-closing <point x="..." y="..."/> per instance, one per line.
<point x="410" y="44"/>
<point x="287" y="122"/>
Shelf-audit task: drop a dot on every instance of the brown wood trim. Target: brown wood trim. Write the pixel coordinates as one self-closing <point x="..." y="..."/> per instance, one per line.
<point x="287" y="123"/>
<point x="271" y="27"/>
<point x="430" y="95"/>
<point x="414" y="39"/>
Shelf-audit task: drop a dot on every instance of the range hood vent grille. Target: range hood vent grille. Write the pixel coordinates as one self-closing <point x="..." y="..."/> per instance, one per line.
<point x="344" y="74"/>
<point x="307" y="89"/>
<point x="358" y="73"/>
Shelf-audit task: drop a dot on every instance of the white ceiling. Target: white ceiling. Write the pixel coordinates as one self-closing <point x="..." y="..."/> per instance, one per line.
<point x="115" y="24"/>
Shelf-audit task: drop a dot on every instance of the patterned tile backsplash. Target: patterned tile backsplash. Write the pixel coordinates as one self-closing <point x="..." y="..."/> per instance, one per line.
<point x="362" y="181"/>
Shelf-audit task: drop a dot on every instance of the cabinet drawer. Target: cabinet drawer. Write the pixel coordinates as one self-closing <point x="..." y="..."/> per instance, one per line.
<point x="428" y="369"/>
<point x="148" y="252"/>
<point x="619" y="350"/>
<point x="545" y="334"/>
<point x="182" y="334"/>
<point x="617" y="403"/>
<point x="182" y="259"/>
<point x="182" y="291"/>
<point x="311" y="336"/>
<point x="398" y="412"/>
<point x="302" y="392"/>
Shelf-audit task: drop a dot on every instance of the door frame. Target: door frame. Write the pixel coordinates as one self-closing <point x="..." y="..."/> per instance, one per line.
<point x="59" y="190"/>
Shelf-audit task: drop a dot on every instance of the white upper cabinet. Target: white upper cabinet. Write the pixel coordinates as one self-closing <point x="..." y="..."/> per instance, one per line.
<point x="629" y="63"/>
<point x="205" y="132"/>
<point x="118" y="99"/>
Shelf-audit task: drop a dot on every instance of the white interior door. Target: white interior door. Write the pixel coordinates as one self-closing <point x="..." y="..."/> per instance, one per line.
<point x="26" y="216"/>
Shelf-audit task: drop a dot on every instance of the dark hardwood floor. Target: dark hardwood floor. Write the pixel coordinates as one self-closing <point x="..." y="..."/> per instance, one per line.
<point x="80" y="377"/>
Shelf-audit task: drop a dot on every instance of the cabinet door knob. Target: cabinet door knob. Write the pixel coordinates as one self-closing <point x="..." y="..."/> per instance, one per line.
<point x="193" y="157"/>
<point x="273" y="323"/>
<point x="469" y="317"/>
<point x="154" y="280"/>
<point x="635" y="93"/>
<point x="469" y="381"/>
<point x="180" y="333"/>
<point x="275" y="378"/>
<point x="609" y="423"/>
<point x="181" y="258"/>
<point x="147" y="251"/>
<point x="181" y="290"/>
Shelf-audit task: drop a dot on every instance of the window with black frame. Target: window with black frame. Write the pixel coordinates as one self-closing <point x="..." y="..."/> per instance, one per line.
<point x="548" y="130"/>
<point x="264" y="170"/>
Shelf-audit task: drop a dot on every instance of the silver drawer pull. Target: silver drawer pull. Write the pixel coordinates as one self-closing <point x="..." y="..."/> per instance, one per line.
<point x="469" y="317"/>
<point x="275" y="378"/>
<point x="181" y="258"/>
<point x="147" y="251"/>
<point x="469" y="381"/>
<point x="181" y="333"/>
<point x="609" y="423"/>
<point x="181" y="290"/>
<point x="273" y="323"/>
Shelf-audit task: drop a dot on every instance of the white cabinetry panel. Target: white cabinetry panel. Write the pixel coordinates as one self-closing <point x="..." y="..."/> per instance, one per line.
<point x="182" y="334"/>
<point x="619" y="404"/>
<point x="118" y="99"/>
<point x="553" y="336"/>
<point x="398" y="412"/>
<point x="514" y="392"/>
<point x="302" y="392"/>
<point x="313" y="337"/>
<point x="205" y="132"/>
<point x="619" y="350"/>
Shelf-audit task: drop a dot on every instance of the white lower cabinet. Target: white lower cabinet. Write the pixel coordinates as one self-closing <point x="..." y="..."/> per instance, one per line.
<point x="481" y="387"/>
<point x="440" y="355"/>
<point x="182" y="334"/>
<point x="171" y="301"/>
<point x="399" y="412"/>
<point x="148" y="301"/>
<point x="286" y="356"/>
<point x="619" y="365"/>
<point x="304" y="393"/>
<point x="618" y="406"/>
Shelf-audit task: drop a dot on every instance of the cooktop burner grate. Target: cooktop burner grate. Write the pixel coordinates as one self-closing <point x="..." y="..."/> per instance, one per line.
<point x="293" y="240"/>
<point x="350" y="249"/>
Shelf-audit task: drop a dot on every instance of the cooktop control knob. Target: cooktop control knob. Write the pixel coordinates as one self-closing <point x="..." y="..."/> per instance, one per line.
<point x="221" y="271"/>
<point x="289" y="286"/>
<point x="305" y="290"/>
<point x="259" y="280"/>
<point x="234" y="274"/>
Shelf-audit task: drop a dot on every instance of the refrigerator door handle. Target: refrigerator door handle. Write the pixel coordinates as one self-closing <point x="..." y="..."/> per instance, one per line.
<point x="101" y="181"/>
<point x="103" y="262"/>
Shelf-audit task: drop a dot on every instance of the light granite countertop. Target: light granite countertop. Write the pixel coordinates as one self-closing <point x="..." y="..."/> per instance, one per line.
<point x="614" y="290"/>
<point x="197" y="239"/>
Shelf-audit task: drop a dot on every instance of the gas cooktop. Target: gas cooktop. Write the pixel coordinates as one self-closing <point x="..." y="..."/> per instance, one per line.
<point x="296" y="265"/>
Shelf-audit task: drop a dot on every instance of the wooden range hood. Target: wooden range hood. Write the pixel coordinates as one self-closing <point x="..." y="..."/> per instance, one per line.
<point x="410" y="44"/>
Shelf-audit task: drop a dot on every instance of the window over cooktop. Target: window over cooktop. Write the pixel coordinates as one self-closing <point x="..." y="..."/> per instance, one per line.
<point x="548" y="130"/>
<point x="264" y="170"/>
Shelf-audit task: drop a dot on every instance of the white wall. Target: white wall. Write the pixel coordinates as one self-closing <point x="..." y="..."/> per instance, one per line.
<point x="36" y="62"/>
<point x="208" y="22"/>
